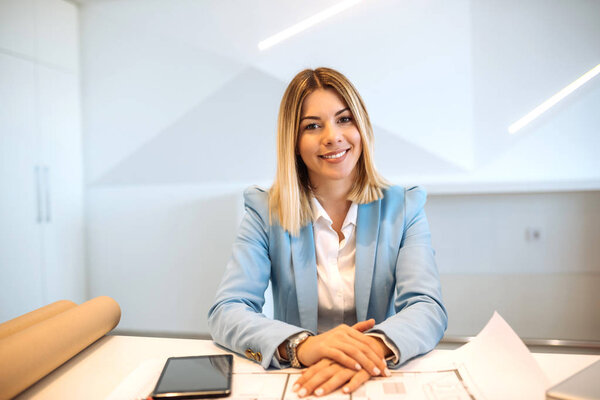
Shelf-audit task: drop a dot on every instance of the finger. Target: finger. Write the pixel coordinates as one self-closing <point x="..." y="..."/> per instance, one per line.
<point x="356" y="381"/>
<point x="336" y="381"/>
<point x="368" y="347"/>
<point x="319" y="378"/>
<point x="340" y="355"/>
<point x="365" y="354"/>
<point x="310" y="372"/>
<point x="350" y="354"/>
<point x="383" y="350"/>
<point x="356" y="335"/>
<point x="364" y="325"/>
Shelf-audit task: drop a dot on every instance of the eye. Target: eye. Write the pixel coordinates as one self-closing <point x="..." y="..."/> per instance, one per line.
<point x="345" y="119"/>
<point x="310" y="127"/>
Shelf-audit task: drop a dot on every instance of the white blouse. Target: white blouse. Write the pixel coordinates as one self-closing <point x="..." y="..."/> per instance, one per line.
<point x="335" y="268"/>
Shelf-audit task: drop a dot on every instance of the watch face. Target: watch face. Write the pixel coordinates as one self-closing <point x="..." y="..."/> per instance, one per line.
<point x="300" y="339"/>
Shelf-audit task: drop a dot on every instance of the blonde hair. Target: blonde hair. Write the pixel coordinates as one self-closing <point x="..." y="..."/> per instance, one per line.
<point x="289" y="197"/>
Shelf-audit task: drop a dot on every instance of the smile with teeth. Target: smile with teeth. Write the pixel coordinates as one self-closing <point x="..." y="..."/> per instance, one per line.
<point x="336" y="155"/>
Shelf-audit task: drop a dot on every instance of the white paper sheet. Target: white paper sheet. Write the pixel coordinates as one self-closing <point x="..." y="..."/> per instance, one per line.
<point x="258" y="387"/>
<point x="140" y="382"/>
<point x="500" y="365"/>
<point x="429" y="385"/>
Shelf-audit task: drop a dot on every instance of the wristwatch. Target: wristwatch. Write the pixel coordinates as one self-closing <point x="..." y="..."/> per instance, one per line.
<point x="292" y="345"/>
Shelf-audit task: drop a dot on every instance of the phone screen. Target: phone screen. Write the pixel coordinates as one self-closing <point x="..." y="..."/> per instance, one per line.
<point x="198" y="376"/>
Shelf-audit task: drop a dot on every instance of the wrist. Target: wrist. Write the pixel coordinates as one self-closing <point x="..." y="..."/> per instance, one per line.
<point x="282" y="351"/>
<point x="300" y="353"/>
<point x="384" y="350"/>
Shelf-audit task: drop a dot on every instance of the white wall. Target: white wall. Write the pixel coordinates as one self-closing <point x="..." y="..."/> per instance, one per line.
<point x="159" y="251"/>
<point x="180" y="108"/>
<point x="442" y="79"/>
<point x="489" y="259"/>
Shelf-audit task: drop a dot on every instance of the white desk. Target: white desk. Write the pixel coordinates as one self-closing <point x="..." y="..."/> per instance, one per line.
<point x="98" y="370"/>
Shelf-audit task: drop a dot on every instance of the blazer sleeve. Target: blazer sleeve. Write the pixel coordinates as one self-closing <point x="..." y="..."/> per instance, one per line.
<point x="421" y="318"/>
<point x="235" y="320"/>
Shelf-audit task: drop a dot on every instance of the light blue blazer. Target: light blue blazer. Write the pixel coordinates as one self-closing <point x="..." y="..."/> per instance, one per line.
<point x="396" y="281"/>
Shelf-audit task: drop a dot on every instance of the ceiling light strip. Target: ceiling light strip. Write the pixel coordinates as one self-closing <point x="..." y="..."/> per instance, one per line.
<point x="306" y="23"/>
<point x="539" y="110"/>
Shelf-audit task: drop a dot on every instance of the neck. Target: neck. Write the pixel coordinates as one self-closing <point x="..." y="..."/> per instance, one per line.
<point x="333" y="196"/>
<point x="333" y="191"/>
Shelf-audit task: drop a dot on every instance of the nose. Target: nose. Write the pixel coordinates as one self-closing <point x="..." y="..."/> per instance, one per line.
<point x="331" y="134"/>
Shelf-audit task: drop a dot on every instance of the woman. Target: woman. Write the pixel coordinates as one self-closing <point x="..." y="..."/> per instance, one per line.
<point x="355" y="285"/>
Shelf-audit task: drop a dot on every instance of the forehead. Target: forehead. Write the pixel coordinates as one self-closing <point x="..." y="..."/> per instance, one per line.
<point x="323" y="101"/>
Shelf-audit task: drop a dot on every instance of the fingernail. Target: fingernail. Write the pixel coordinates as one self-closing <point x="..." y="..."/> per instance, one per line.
<point x="357" y="366"/>
<point x="302" y="392"/>
<point x="346" y="389"/>
<point x="319" y="391"/>
<point x="295" y="387"/>
<point x="376" y="371"/>
<point x="387" y="372"/>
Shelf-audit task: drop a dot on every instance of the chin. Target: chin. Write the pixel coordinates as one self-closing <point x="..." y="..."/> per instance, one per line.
<point x="339" y="177"/>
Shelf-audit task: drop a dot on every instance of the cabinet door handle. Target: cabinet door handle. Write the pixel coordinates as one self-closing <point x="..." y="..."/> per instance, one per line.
<point x="38" y="194"/>
<point x="47" y="189"/>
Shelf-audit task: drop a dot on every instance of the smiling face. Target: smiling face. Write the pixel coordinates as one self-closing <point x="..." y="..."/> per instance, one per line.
<point x="329" y="142"/>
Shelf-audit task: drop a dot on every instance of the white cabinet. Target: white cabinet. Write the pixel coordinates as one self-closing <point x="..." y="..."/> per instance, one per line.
<point x="21" y="275"/>
<point x="61" y="155"/>
<point x="41" y="177"/>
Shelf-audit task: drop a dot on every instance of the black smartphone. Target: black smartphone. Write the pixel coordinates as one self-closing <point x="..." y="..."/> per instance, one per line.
<point x="195" y="377"/>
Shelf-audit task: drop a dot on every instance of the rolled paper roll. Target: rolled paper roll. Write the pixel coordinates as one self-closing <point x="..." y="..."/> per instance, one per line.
<point x="30" y="354"/>
<point x="31" y="318"/>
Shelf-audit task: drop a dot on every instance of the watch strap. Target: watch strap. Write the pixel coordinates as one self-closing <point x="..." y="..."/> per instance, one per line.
<point x="292" y="346"/>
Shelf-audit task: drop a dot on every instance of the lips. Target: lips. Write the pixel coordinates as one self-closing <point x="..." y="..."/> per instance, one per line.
<point x="335" y="154"/>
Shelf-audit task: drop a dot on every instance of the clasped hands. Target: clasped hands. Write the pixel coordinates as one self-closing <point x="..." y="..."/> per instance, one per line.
<point x="343" y="356"/>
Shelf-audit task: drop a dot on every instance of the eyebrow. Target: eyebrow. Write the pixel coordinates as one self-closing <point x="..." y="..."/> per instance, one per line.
<point x="317" y="118"/>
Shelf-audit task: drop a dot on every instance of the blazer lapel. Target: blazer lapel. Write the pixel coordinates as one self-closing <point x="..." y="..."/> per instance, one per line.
<point x="305" y="273"/>
<point x="367" y="232"/>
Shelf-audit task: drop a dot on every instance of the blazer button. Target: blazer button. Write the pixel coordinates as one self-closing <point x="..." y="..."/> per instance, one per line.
<point x="253" y="356"/>
<point x="250" y="354"/>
